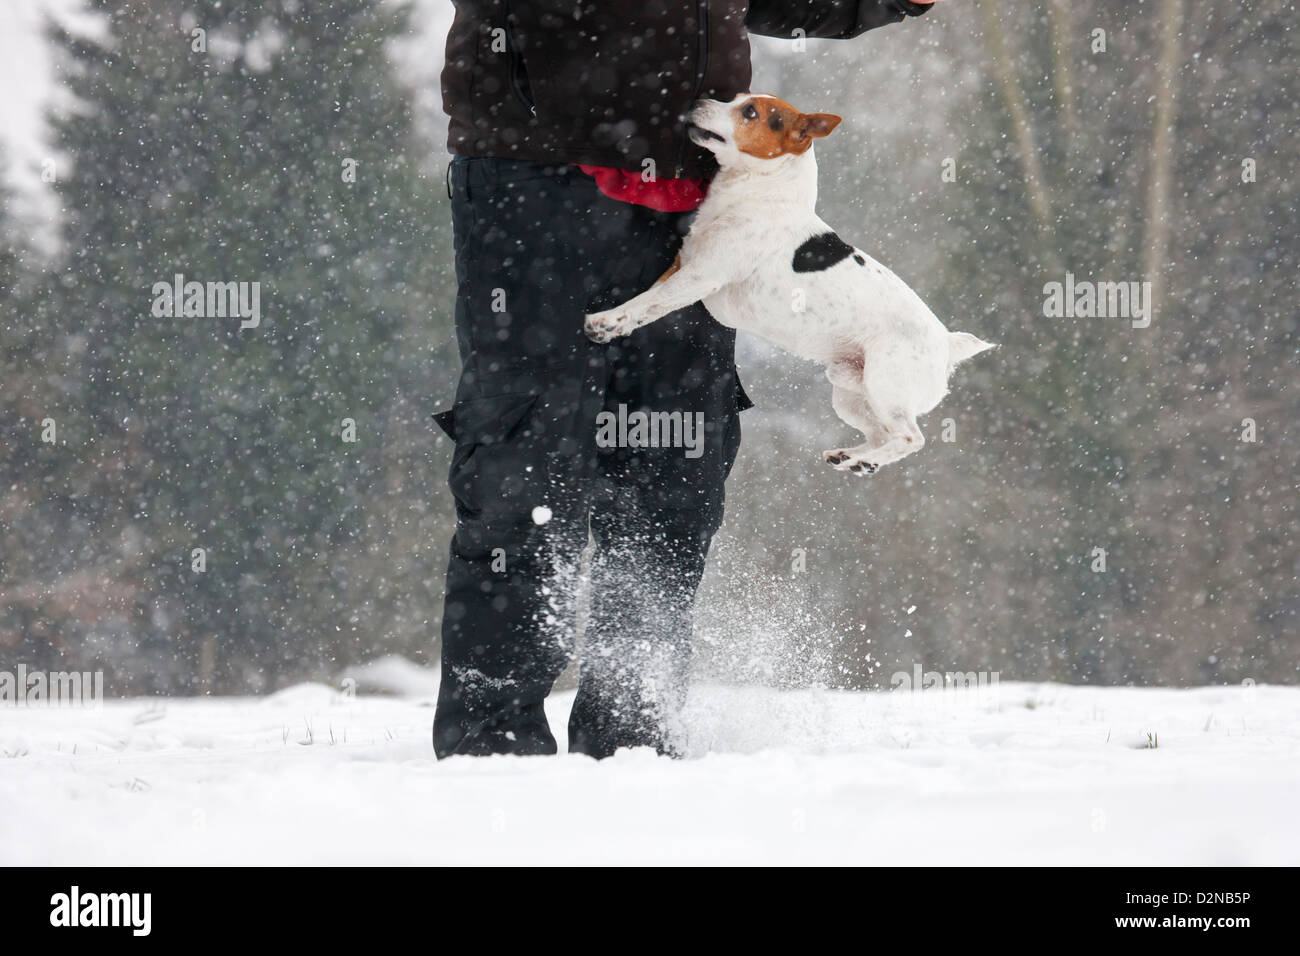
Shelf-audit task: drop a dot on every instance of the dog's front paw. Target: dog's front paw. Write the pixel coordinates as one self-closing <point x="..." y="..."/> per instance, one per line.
<point x="603" y="326"/>
<point x="842" y="460"/>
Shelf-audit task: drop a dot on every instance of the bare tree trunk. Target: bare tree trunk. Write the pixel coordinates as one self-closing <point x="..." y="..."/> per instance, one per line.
<point x="1062" y="73"/>
<point x="1170" y="25"/>
<point x="207" y="663"/>
<point x="1013" y="97"/>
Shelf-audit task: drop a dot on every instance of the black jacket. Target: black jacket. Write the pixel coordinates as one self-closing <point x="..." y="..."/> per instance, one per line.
<point x="608" y="82"/>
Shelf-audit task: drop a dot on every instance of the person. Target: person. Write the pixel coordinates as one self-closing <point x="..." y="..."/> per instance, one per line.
<point x="571" y="188"/>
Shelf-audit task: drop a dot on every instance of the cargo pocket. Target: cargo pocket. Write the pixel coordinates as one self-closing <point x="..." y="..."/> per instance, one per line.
<point x="493" y="466"/>
<point x="743" y="401"/>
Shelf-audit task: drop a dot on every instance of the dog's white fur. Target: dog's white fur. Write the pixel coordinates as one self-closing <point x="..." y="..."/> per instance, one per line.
<point x="887" y="356"/>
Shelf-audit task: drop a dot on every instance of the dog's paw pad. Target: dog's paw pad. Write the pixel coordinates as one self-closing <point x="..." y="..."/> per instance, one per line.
<point x="602" y="326"/>
<point x="842" y="460"/>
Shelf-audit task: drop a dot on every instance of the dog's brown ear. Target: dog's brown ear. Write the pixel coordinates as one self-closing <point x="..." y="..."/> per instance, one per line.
<point x="815" y="125"/>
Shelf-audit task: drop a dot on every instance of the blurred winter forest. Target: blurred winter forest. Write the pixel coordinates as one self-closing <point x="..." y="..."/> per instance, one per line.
<point x="988" y="148"/>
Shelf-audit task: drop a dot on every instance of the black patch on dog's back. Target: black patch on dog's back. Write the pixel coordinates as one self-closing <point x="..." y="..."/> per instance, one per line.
<point x="820" y="252"/>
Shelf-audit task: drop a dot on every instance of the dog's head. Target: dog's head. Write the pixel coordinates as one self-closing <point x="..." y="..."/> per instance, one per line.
<point x="755" y="131"/>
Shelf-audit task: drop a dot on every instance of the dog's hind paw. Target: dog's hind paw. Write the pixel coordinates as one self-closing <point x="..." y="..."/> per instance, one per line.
<point x="601" y="327"/>
<point x="842" y="460"/>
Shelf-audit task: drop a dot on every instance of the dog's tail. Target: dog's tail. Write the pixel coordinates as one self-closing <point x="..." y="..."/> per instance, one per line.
<point x="963" y="345"/>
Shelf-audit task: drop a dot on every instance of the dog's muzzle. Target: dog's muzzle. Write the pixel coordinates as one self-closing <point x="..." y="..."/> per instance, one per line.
<point x="698" y="133"/>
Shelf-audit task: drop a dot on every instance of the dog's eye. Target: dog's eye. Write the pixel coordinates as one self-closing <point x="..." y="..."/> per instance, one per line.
<point x="749" y="112"/>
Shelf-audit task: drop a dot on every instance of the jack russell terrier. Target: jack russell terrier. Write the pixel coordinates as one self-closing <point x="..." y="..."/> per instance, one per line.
<point x="761" y="260"/>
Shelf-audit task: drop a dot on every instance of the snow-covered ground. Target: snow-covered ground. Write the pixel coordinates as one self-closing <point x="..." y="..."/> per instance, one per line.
<point x="1026" y="774"/>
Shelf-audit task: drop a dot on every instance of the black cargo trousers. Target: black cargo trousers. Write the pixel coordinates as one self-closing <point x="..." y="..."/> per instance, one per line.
<point x="537" y="247"/>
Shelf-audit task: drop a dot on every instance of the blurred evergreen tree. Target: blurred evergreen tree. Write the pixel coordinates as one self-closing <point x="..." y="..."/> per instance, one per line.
<point x="243" y="142"/>
<point x="17" y="429"/>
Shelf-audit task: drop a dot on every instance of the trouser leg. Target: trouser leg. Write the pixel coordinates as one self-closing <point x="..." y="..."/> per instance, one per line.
<point x="652" y="534"/>
<point x="637" y="645"/>
<point x="521" y="470"/>
<point x="504" y="643"/>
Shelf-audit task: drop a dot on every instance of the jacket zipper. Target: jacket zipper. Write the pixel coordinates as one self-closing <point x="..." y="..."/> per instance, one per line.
<point x="701" y="69"/>
<point x="516" y="61"/>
